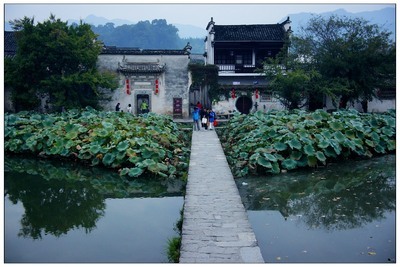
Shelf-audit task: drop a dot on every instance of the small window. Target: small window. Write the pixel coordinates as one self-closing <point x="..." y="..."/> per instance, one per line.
<point x="239" y="59"/>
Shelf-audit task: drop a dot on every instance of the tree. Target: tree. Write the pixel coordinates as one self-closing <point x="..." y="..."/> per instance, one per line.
<point x="293" y="80"/>
<point x="353" y="57"/>
<point x="339" y="57"/>
<point x="57" y="61"/>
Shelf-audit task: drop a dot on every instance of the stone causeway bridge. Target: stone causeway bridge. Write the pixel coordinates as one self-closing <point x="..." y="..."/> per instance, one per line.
<point x="215" y="227"/>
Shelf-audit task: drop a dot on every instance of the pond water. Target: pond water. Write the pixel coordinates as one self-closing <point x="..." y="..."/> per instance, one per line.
<point x="62" y="213"/>
<point x="343" y="213"/>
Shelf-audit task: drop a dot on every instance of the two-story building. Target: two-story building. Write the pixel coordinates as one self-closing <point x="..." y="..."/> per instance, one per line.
<point x="238" y="51"/>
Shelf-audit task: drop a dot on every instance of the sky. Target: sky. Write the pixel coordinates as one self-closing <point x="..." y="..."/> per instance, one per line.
<point x="190" y="13"/>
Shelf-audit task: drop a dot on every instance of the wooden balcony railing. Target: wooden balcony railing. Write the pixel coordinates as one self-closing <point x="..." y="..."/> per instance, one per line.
<point x="237" y="68"/>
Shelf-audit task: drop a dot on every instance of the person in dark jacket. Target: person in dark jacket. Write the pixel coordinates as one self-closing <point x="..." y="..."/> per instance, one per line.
<point x="211" y="119"/>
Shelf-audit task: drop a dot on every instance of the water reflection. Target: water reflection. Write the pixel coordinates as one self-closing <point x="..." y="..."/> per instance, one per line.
<point x="64" y="200"/>
<point x="54" y="206"/>
<point x="341" y="196"/>
<point x="342" y="213"/>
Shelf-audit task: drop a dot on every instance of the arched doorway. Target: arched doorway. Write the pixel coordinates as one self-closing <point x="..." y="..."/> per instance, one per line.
<point x="244" y="104"/>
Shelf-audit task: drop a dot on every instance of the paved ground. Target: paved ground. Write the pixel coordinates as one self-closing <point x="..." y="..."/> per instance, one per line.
<point x="215" y="224"/>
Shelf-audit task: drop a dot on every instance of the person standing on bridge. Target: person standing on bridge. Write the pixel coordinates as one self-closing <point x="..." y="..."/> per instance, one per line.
<point x="196" y="119"/>
<point x="211" y="118"/>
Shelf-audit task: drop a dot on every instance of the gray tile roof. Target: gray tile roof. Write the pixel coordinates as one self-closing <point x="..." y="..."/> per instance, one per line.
<point x="141" y="68"/>
<point x="256" y="32"/>
<point x="137" y="51"/>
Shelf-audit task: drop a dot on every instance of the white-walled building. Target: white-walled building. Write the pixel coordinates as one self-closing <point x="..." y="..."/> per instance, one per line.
<point x="159" y="77"/>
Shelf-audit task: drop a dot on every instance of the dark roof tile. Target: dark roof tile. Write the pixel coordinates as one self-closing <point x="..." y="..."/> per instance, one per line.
<point x="256" y="32"/>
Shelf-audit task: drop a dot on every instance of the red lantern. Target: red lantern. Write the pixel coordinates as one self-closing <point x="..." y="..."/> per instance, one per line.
<point x="128" y="90"/>
<point x="157" y="90"/>
<point x="233" y="94"/>
<point x="256" y="93"/>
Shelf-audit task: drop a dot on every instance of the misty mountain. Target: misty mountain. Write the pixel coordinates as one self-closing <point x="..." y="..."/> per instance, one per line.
<point x="386" y="18"/>
<point x="158" y="36"/>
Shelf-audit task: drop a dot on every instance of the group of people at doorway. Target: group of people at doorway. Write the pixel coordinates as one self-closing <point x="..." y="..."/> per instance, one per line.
<point x="144" y="107"/>
<point x="203" y="116"/>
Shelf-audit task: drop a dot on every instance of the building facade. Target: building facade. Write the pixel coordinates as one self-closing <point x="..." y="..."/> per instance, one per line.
<point x="158" y="77"/>
<point x="239" y="52"/>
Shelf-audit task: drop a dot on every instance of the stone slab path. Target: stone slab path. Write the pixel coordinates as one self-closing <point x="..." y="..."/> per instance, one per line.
<point x="215" y="224"/>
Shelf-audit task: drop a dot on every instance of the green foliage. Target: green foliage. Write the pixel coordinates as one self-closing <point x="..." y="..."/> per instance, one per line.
<point x="58" y="61"/>
<point x="283" y="140"/>
<point x="135" y="145"/>
<point x="206" y="75"/>
<point x="157" y="34"/>
<point x="352" y="56"/>
<point x="173" y="251"/>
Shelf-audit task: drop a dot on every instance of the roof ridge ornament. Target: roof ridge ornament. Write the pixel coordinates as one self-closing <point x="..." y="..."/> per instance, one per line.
<point x="210" y="23"/>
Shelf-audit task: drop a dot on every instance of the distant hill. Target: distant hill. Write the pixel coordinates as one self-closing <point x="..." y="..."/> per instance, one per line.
<point x="195" y="35"/>
<point x="185" y="31"/>
<point x="385" y="17"/>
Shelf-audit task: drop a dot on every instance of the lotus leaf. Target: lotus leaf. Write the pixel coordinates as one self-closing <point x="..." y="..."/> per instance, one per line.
<point x="275" y="168"/>
<point x="369" y="143"/>
<point x="310" y="123"/>
<point x="320" y="156"/>
<point x="373" y="122"/>
<point x="135" y="172"/>
<point x="326" y="133"/>
<point x="102" y="132"/>
<point x="95" y="148"/>
<point x="335" y="145"/>
<point x="289" y="164"/>
<point x="336" y="125"/>
<point x="120" y="156"/>
<point x="387" y="131"/>
<point x="309" y="150"/>
<point x="108" y="159"/>
<point x="243" y="155"/>
<point x="390" y="121"/>
<point x="349" y="134"/>
<point x="264" y="162"/>
<point x="270" y="157"/>
<point x="318" y="116"/>
<point x="323" y="144"/>
<point x="339" y="137"/>
<point x="147" y="153"/>
<point x="391" y="145"/>
<point x="122" y="146"/>
<point x="107" y="125"/>
<point x="379" y="149"/>
<point x="303" y="134"/>
<point x="350" y="144"/>
<point x="294" y="143"/>
<point x="135" y="159"/>
<point x="280" y="146"/>
<point x="375" y="136"/>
